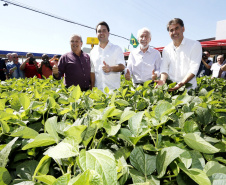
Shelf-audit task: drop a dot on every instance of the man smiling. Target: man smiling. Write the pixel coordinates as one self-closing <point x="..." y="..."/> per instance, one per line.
<point x="181" y="58"/>
<point x="75" y="66"/>
<point x="108" y="60"/>
<point x="144" y="62"/>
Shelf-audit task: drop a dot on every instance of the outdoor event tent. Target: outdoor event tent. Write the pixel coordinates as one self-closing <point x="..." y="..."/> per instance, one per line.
<point x="215" y="47"/>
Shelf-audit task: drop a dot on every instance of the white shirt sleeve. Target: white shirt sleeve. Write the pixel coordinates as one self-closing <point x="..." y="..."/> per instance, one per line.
<point x="196" y="57"/>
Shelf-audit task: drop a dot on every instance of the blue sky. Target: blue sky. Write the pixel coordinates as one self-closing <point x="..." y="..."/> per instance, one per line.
<point x="24" y="30"/>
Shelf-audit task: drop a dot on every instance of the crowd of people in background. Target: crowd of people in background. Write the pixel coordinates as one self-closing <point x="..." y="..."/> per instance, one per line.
<point x="181" y="61"/>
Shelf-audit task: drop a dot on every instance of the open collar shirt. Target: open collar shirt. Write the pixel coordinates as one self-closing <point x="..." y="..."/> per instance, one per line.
<point x="112" y="55"/>
<point x="216" y="69"/>
<point x="182" y="60"/>
<point x="17" y="73"/>
<point x="142" y="64"/>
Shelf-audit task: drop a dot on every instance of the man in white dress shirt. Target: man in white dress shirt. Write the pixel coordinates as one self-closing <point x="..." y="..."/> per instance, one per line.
<point x="216" y="68"/>
<point x="144" y="62"/>
<point x="181" y="58"/>
<point x="108" y="60"/>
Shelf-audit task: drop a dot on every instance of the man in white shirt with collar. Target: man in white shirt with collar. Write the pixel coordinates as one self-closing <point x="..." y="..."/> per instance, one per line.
<point x="144" y="62"/>
<point x="108" y="60"/>
<point x="181" y="58"/>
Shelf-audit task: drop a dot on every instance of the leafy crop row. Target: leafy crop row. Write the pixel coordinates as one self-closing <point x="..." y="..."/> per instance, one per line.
<point x="53" y="135"/>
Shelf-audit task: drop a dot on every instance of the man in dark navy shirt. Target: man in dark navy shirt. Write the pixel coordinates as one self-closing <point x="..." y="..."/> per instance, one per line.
<point x="75" y="66"/>
<point x="2" y="69"/>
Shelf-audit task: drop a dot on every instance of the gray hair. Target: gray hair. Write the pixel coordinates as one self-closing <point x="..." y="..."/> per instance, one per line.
<point x="142" y="30"/>
<point x="77" y="35"/>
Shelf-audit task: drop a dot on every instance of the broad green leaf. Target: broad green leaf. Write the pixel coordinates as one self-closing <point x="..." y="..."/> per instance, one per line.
<point x="126" y="115"/>
<point x="89" y="177"/>
<point x="102" y="161"/>
<point x="218" y="179"/>
<point x="47" y="179"/>
<point x="51" y="126"/>
<point x="113" y="100"/>
<point x="76" y="131"/>
<point x="123" y="170"/>
<point x="184" y="179"/>
<point x="190" y="126"/>
<point x="5" y="177"/>
<point x="147" y="83"/>
<point x="135" y="123"/>
<point x="135" y="139"/>
<point x="204" y="115"/>
<point x="122" y="152"/>
<point x="40" y="140"/>
<point x="76" y="93"/>
<point x="162" y="109"/>
<point x="143" y="162"/>
<point x="25" y="101"/>
<point x="15" y="103"/>
<point x="165" y="157"/>
<point x="88" y="134"/>
<point x="65" y="149"/>
<point x="139" y="178"/>
<point x="122" y="102"/>
<point x="5" y="126"/>
<point x="2" y="104"/>
<point x="196" y="174"/>
<point x="24" y="132"/>
<point x="106" y="112"/>
<point x="186" y="159"/>
<point x="26" y="169"/>
<point x="182" y="99"/>
<point x="63" y="180"/>
<point x="43" y="166"/>
<point x="4" y="153"/>
<point x="195" y="142"/>
<point x="111" y="128"/>
<point x="51" y="103"/>
<point x="212" y="167"/>
<point x="197" y="160"/>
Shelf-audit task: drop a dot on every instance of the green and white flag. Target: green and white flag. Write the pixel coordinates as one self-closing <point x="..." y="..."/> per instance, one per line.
<point x="133" y="41"/>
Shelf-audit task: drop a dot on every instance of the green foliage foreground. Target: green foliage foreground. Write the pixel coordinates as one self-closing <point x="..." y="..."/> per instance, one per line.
<point x="57" y="136"/>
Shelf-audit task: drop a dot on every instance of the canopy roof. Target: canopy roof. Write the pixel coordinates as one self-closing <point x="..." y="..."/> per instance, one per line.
<point x="214" y="46"/>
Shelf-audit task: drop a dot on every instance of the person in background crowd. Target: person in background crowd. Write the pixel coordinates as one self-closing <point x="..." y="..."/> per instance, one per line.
<point x="204" y="68"/>
<point x="55" y="59"/>
<point x="45" y="67"/>
<point x="143" y="60"/>
<point x="75" y="66"/>
<point x="13" y="68"/>
<point x="30" y="66"/>
<point x="108" y="60"/>
<point x="2" y="69"/>
<point x="216" y="68"/>
<point x="181" y="58"/>
<point x="9" y="57"/>
<point x="222" y="69"/>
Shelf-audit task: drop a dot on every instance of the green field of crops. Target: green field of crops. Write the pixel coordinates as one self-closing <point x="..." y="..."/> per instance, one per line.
<point x="135" y="135"/>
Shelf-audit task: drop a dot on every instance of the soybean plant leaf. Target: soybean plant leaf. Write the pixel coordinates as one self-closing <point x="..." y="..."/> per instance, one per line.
<point x="5" y="177"/>
<point x="195" y="142"/>
<point x="143" y="162"/>
<point x="196" y="174"/>
<point x="47" y="179"/>
<point x="122" y="102"/>
<point x="123" y="151"/>
<point x="43" y="166"/>
<point x="40" y="140"/>
<point x="51" y="103"/>
<point x="162" y="109"/>
<point x="135" y="139"/>
<point x="65" y="149"/>
<point x="204" y="115"/>
<point x="63" y="180"/>
<point x="218" y="179"/>
<point x="51" y="127"/>
<point x="76" y="131"/>
<point x="135" y="122"/>
<point x="182" y="99"/>
<point x="5" y="126"/>
<point x="140" y="179"/>
<point x="123" y="170"/>
<point x="24" y="132"/>
<point x="26" y="169"/>
<point x="88" y="134"/>
<point x="4" y="153"/>
<point x="197" y="159"/>
<point x="186" y="159"/>
<point x="102" y="161"/>
<point x="2" y="104"/>
<point x="89" y="177"/>
<point x="111" y="128"/>
<point x="126" y="115"/>
<point x="76" y="93"/>
<point x="15" y="103"/>
<point x="25" y="101"/>
<point x="190" y="126"/>
<point x="184" y="179"/>
<point x="165" y="157"/>
<point x="212" y="167"/>
<point x="106" y="112"/>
